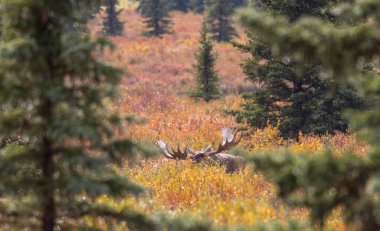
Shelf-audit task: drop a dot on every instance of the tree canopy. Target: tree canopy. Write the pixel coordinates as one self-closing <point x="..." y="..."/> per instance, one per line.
<point x="218" y="16"/>
<point x="111" y="23"/>
<point x="156" y="14"/>
<point x="54" y="86"/>
<point x="206" y="78"/>
<point x="348" y="52"/>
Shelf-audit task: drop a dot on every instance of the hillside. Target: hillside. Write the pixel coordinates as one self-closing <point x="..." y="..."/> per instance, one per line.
<point x="142" y="115"/>
<point x="159" y="76"/>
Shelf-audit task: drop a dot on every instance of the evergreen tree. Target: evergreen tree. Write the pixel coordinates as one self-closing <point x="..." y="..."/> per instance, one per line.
<point x="218" y="13"/>
<point x="180" y="5"/>
<point x="240" y="3"/>
<point x="300" y="100"/>
<point x="348" y="52"/>
<point x="298" y="8"/>
<point x="94" y="8"/>
<point x="111" y="23"/>
<point x="79" y="25"/>
<point x="197" y="6"/>
<point x="53" y="90"/>
<point x="156" y="14"/>
<point x="206" y="78"/>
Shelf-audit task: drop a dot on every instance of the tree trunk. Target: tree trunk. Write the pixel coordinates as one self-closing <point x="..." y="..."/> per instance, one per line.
<point x="49" y="213"/>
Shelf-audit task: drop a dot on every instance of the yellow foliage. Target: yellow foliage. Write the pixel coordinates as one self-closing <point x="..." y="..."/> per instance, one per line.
<point x="160" y="74"/>
<point x="240" y="198"/>
<point x="267" y="139"/>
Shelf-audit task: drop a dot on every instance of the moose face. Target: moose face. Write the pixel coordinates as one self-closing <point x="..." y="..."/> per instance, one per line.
<point x="208" y="154"/>
<point x="199" y="156"/>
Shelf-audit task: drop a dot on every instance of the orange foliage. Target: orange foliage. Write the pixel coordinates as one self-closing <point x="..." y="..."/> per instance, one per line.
<point x="178" y="120"/>
<point x="159" y="74"/>
<point x="167" y="63"/>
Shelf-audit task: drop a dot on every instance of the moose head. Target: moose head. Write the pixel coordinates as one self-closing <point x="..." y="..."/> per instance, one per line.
<point x="230" y="139"/>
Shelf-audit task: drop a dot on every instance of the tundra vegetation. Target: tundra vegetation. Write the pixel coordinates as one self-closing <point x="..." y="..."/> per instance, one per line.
<point x="158" y="75"/>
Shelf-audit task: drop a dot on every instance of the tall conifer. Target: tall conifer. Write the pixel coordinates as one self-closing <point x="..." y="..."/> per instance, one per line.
<point x="156" y="14"/>
<point x="348" y="51"/>
<point x="300" y="100"/>
<point x="111" y="23"/>
<point x="218" y="14"/>
<point x="240" y="3"/>
<point x="197" y="6"/>
<point x="180" y="5"/>
<point x="206" y="78"/>
<point x="53" y="91"/>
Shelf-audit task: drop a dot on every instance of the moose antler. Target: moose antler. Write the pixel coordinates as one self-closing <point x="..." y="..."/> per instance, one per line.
<point x="229" y="140"/>
<point x="170" y="153"/>
<point x="233" y="163"/>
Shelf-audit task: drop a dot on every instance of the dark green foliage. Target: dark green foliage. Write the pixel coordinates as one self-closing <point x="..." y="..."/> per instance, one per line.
<point x="95" y="8"/>
<point x="206" y="79"/>
<point x="111" y="24"/>
<point x="218" y="15"/>
<point x="53" y="91"/>
<point x="81" y="16"/>
<point x="294" y="94"/>
<point x="183" y="223"/>
<point x="180" y="5"/>
<point x="276" y="226"/>
<point x="197" y="6"/>
<point x="240" y="3"/>
<point x="322" y="183"/>
<point x="326" y="182"/>
<point x="294" y="9"/>
<point x="156" y="14"/>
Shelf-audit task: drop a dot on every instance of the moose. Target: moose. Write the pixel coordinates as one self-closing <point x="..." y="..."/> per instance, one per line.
<point x="208" y="154"/>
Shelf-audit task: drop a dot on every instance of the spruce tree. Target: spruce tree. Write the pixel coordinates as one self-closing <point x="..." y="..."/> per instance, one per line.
<point x="348" y="51"/>
<point x="180" y="5"/>
<point x="53" y="95"/>
<point x="206" y="78"/>
<point x="156" y="14"/>
<point x="240" y="3"/>
<point x="79" y="26"/>
<point x="218" y="14"/>
<point x="111" y="23"/>
<point x="292" y="93"/>
<point x="197" y="6"/>
<point x="94" y="9"/>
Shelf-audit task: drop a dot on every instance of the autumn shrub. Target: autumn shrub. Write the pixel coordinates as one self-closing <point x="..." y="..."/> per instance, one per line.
<point x="159" y="77"/>
<point x="208" y="190"/>
<point x="168" y="62"/>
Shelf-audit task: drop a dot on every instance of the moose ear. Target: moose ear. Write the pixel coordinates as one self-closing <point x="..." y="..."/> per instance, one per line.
<point x="208" y="149"/>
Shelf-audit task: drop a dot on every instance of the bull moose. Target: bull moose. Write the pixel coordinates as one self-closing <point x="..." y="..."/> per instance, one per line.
<point x="231" y="162"/>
